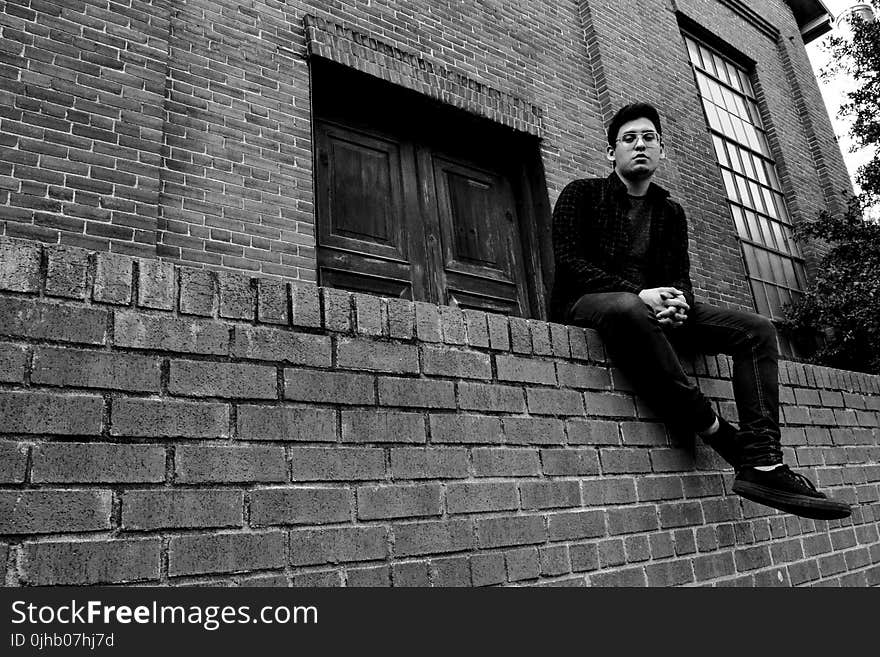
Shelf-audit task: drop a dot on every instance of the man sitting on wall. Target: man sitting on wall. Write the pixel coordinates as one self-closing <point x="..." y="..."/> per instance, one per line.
<point x="622" y="267"/>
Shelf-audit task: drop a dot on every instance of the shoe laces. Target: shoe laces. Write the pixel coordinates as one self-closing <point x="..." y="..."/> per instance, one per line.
<point x="797" y="477"/>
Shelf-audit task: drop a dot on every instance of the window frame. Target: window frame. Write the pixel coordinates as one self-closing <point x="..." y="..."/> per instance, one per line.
<point x="763" y="226"/>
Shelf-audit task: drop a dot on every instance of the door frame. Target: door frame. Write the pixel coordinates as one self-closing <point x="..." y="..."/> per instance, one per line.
<point x="518" y="155"/>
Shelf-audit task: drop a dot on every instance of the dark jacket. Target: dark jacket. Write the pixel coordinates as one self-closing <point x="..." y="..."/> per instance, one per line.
<point x="591" y="240"/>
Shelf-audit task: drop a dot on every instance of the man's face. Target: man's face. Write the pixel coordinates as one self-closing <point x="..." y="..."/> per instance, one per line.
<point x="638" y="150"/>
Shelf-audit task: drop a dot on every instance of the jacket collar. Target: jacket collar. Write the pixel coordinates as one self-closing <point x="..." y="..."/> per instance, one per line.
<point x="616" y="186"/>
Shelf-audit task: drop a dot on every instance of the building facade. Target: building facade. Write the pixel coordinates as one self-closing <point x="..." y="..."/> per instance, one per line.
<point x="409" y="149"/>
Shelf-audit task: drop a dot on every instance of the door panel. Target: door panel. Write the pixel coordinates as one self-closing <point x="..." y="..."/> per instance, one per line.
<point x="480" y="234"/>
<point x="461" y="293"/>
<point x="363" y="239"/>
<point x="346" y="279"/>
<point x="470" y="203"/>
<point x="359" y="178"/>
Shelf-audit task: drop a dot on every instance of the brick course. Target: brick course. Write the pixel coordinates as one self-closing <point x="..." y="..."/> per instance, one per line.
<point x="189" y="508"/>
<point x="91" y="561"/>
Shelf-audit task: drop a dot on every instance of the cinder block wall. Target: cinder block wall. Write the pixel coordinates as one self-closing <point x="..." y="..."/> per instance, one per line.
<point x="169" y="425"/>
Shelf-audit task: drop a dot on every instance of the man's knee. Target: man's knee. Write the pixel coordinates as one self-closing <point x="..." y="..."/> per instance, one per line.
<point x="626" y="309"/>
<point x="627" y="305"/>
<point x="762" y="330"/>
<point x="607" y="310"/>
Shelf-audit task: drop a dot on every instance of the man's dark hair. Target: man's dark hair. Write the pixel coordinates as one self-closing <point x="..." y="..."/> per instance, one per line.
<point x="629" y="113"/>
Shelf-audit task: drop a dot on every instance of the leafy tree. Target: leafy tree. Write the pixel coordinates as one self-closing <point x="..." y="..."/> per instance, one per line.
<point x="842" y="301"/>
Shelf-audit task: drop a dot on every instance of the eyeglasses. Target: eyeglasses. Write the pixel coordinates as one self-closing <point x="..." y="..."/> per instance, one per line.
<point x="649" y="138"/>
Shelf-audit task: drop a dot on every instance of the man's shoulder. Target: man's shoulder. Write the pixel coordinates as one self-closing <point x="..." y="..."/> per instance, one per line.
<point x="663" y="195"/>
<point x="674" y="205"/>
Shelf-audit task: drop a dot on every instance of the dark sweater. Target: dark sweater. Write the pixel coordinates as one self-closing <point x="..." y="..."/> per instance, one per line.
<point x="592" y="241"/>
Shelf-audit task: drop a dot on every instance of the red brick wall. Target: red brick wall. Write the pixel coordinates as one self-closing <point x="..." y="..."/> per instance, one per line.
<point x="183" y="130"/>
<point x="82" y="121"/>
<point x="174" y="425"/>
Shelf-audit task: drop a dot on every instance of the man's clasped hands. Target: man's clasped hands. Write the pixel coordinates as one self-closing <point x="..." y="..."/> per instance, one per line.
<point x="668" y="304"/>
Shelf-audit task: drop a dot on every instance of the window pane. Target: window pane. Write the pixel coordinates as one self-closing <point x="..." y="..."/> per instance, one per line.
<point x="760" y="298"/>
<point x="752" y="139"/>
<point x="742" y="188"/>
<point x="784" y="297"/>
<point x="770" y="169"/>
<point x="728" y="184"/>
<point x="734" y="158"/>
<point x="766" y="233"/>
<point x="720" y="69"/>
<point x="790" y="278"/>
<point x="768" y="202"/>
<point x="746" y="83"/>
<point x="740" y="222"/>
<point x="750" y="164"/>
<point x="793" y="246"/>
<point x="792" y="243"/>
<point x="801" y="276"/>
<point x="712" y="116"/>
<point x="756" y="197"/>
<point x="715" y="94"/>
<point x="733" y="77"/>
<point x="730" y="101"/>
<point x="780" y="238"/>
<point x="727" y="124"/>
<point x="751" y="262"/>
<point x="753" y="226"/>
<point x="693" y="51"/>
<point x="763" y="259"/>
<point x="739" y="128"/>
<point x="764" y="146"/>
<point x="720" y="151"/>
<point x="754" y="113"/>
<point x="758" y="166"/>
<point x="781" y="211"/>
<point x="776" y="268"/>
<point x="703" y="84"/>
<point x="774" y="301"/>
<point x="707" y="60"/>
<point x="739" y="106"/>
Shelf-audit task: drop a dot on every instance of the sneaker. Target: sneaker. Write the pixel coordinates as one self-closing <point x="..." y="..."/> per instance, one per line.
<point x="724" y="442"/>
<point x="788" y="491"/>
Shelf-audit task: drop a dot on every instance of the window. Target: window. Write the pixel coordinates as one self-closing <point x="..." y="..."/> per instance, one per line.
<point x="773" y="262"/>
<point x="419" y="200"/>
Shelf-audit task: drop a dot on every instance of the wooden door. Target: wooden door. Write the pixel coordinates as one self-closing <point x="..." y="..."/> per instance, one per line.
<point x="363" y="204"/>
<point x="480" y="246"/>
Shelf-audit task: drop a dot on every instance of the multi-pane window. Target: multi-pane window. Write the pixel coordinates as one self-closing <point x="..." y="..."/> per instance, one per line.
<point x="773" y="262"/>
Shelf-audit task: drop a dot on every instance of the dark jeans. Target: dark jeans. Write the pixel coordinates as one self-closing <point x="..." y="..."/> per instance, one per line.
<point x="646" y="352"/>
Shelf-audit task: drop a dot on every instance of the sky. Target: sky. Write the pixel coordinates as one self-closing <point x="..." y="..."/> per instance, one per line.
<point x="833" y="91"/>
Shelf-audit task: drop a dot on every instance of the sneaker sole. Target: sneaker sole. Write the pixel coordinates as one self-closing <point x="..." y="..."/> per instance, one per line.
<point x="799" y="505"/>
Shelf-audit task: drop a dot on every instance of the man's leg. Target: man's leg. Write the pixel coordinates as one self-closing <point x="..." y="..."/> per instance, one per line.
<point x="639" y="346"/>
<point x="751" y="340"/>
<point x="761" y="476"/>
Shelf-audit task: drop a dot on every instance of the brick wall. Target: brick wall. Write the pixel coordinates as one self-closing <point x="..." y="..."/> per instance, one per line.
<point x="174" y="425"/>
<point x="82" y="88"/>
<point x="182" y="130"/>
